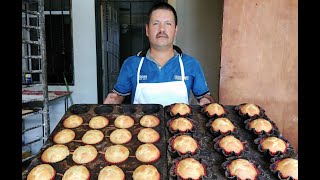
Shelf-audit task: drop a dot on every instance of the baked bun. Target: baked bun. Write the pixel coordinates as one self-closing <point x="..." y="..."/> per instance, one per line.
<point x="116" y="154"/>
<point x="42" y="172"/>
<point x="148" y="135"/>
<point x="146" y="172"/>
<point x="250" y="109"/>
<point x="78" y="172"/>
<point x="180" y="108"/>
<point x="92" y="137"/>
<point x="288" y="167"/>
<point x="190" y="168"/>
<point x="149" y="121"/>
<point x="184" y="144"/>
<point x="98" y="122"/>
<point x="224" y="125"/>
<point x="147" y="153"/>
<point x="64" y="136"/>
<point x="260" y="125"/>
<point x="231" y="144"/>
<point x="243" y="169"/>
<point x="273" y="144"/>
<point x="214" y="109"/>
<point x="120" y="136"/>
<point x="181" y="124"/>
<point x="55" y="153"/>
<point x="84" y="154"/>
<point x="123" y="121"/>
<point x="72" y="121"/>
<point x="112" y="172"/>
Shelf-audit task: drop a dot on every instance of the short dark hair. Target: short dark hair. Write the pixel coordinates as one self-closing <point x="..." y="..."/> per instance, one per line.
<point x="162" y="5"/>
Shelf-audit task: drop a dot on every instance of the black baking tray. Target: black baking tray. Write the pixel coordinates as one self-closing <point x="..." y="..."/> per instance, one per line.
<point x="214" y="159"/>
<point x="87" y="111"/>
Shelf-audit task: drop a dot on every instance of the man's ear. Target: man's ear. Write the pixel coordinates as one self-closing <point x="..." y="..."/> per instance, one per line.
<point x="147" y="30"/>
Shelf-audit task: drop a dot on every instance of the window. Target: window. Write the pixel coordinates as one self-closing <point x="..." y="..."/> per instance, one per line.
<point x="59" y="42"/>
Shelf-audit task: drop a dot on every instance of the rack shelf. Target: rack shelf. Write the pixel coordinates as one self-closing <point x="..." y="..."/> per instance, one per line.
<point x="34" y="51"/>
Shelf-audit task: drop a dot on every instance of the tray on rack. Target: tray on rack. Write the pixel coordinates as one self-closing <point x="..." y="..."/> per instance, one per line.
<point x="87" y="111"/>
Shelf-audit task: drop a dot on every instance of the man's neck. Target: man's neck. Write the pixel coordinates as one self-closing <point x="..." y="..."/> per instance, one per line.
<point x="161" y="55"/>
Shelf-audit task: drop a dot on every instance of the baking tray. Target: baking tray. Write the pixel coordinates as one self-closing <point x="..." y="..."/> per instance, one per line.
<point x="214" y="159"/>
<point x="87" y="111"/>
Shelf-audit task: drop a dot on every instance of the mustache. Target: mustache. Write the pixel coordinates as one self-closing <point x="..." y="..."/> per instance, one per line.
<point x="161" y="34"/>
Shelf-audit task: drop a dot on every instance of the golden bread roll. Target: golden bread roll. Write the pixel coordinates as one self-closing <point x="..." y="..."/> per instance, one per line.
<point x="273" y="144"/>
<point x="98" y="122"/>
<point x="147" y="153"/>
<point x="78" y="172"/>
<point x="288" y="167"/>
<point x="149" y="121"/>
<point x="92" y="137"/>
<point x="190" y="168"/>
<point x="84" y="154"/>
<point x="181" y="124"/>
<point x="214" y="109"/>
<point x="72" y="121"/>
<point x="55" y="153"/>
<point x="123" y="121"/>
<point x="223" y="125"/>
<point x="148" y="135"/>
<point x="250" y="109"/>
<point x="184" y="144"/>
<point x="116" y="154"/>
<point x="231" y="144"/>
<point x="146" y="172"/>
<point x="260" y="125"/>
<point x="64" y="136"/>
<point x="42" y="172"/>
<point x="243" y="169"/>
<point x="181" y="108"/>
<point x="111" y="172"/>
<point x="120" y="136"/>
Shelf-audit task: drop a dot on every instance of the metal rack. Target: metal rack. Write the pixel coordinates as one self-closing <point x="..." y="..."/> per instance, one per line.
<point x="34" y="64"/>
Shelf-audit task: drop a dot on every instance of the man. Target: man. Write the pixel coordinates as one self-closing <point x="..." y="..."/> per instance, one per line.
<point x="161" y="74"/>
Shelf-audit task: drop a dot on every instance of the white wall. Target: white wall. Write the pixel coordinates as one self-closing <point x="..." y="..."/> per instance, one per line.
<point x="84" y="90"/>
<point x="85" y="70"/>
<point x="199" y="35"/>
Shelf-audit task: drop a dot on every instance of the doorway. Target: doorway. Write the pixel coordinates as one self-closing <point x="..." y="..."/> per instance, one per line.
<point x="120" y="34"/>
<point x="199" y="35"/>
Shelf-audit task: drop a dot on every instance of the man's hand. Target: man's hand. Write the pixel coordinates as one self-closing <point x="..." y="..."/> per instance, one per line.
<point x="206" y="99"/>
<point x="113" y="98"/>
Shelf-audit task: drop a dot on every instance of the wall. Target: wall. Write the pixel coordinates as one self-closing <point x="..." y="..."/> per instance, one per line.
<point x="199" y="35"/>
<point x="85" y="71"/>
<point x="259" y="59"/>
<point x="84" y="90"/>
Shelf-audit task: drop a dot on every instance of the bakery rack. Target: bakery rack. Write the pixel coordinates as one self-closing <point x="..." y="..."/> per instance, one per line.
<point x="34" y="68"/>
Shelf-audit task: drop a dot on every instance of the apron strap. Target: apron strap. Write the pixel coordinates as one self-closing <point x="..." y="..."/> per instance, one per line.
<point x="138" y="72"/>
<point x="182" y="69"/>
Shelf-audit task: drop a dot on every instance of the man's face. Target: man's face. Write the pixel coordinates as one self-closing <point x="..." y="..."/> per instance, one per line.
<point x="161" y="29"/>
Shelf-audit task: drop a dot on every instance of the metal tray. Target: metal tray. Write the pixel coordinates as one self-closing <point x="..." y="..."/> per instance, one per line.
<point x="212" y="158"/>
<point x="87" y="111"/>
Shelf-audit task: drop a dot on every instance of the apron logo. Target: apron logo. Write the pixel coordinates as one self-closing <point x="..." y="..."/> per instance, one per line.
<point x="176" y="77"/>
<point x="143" y="77"/>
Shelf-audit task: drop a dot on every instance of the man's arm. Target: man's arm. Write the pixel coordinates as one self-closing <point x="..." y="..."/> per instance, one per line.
<point x="113" y="98"/>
